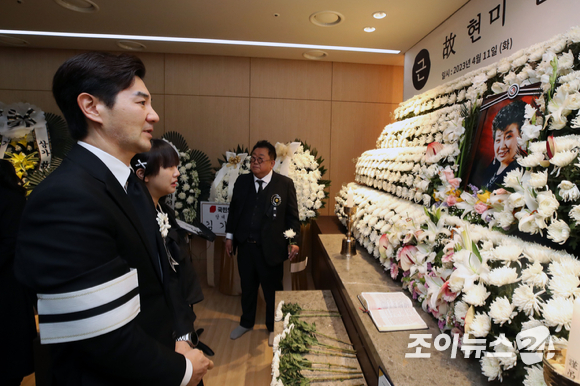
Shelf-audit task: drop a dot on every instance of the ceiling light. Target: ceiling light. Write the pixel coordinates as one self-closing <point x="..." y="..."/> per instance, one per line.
<point x="315" y="54"/>
<point x="196" y="40"/>
<point x="131" y="45"/>
<point x="85" y="6"/>
<point x="379" y="15"/>
<point x="369" y="29"/>
<point x="326" y="18"/>
<point x="13" y="41"/>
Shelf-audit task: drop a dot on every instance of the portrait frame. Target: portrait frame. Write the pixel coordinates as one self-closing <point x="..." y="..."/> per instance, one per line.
<point x="481" y="149"/>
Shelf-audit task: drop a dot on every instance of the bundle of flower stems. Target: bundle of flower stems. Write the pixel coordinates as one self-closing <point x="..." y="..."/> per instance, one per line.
<point x="290" y="368"/>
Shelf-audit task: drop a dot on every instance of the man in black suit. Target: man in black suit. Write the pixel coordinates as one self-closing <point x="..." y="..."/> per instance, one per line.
<point x="107" y="300"/>
<point x="262" y="208"/>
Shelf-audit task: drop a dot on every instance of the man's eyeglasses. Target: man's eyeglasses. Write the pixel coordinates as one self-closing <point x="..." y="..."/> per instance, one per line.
<point x="258" y="161"/>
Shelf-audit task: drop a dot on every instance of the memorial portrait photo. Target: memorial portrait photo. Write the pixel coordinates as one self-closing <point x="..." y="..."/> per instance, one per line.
<point x="495" y="143"/>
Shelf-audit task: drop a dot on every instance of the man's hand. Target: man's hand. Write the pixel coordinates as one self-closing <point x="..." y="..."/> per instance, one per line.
<point x="293" y="251"/>
<point x="182" y="347"/>
<point x="200" y="365"/>
<point x="229" y="247"/>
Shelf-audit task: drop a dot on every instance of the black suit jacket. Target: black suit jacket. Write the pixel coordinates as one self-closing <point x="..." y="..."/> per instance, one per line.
<point x="80" y="230"/>
<point x="274" y="244"/>
<point x="17" y="321"/>
<point x="175" y="241"/>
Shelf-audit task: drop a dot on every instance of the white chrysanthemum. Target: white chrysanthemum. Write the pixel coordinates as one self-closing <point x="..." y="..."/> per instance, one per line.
<point x="490" y="368"/>
<point x="504" y="218"/>
<point x="287" y="320"/>
<point x="532" y="323"/>
<point x="534" y="376"/>
<point x="279" y="314"/>
<point x="502" y="276"/>
<point x="568" y="191"/>
<point x="526" y="300"/>
<point x="476" y="295"/>
<point x="563" y="158"/>
<point x="539" y="179"/>
<point x="506" y="352"/>
<point x="513" y="178"/>
<point x="480" y="326"/>
<point x="456" y="283"/>
<point x="536" y="253"/>
<point x="535" y="276"/>
<point x="557" y="313"/>
<point x="501" y="311"/>
<point x="558" y="231"/>
<point x="575" y="213"/>
<point x="460" y="310"/>
<point x="507" y="253"/>
<point x="565" y="285"/>
<point x="547" y="203"/>
<point x="564" y="265"/>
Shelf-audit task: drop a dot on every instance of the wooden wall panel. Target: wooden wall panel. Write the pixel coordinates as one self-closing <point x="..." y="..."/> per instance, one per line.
<point x="210" y="124"/>
<point x="367" y="83"/>
<point x="207" y="75"/>
<point x="155" y="72"/>
<point x="42" y="99"/>
<point x="284" y="120"/>
<point x="30" y="69"/>
<point x="158" y="103"/>
<point x="355" y="129"/>
<point x="294" y="79"/>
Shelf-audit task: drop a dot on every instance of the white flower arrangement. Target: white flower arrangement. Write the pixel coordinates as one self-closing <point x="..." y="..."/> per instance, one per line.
<point x="305" y="172"/>
<point x="188" y="190"/>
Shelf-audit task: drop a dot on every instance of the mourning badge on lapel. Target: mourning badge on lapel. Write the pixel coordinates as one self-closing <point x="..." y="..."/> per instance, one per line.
<point x="276" y="200"/>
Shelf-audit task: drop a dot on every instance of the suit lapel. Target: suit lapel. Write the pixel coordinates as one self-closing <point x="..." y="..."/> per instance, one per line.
<point x="96" y="168"/>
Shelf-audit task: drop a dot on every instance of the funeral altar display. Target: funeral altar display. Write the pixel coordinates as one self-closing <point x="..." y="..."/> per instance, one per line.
<point x="490" y="261"/>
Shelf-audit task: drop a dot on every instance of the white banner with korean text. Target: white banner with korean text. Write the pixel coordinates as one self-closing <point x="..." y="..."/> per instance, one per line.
<point x="481" y="33"/>
<point x="214" y="216"/>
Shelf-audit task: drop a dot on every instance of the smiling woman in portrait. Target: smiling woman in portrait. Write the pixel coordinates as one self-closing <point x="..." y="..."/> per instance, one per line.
<point x="505" y="133"/>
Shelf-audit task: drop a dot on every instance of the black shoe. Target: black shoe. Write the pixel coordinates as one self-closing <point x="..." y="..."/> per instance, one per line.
<point x="205" y="349"/>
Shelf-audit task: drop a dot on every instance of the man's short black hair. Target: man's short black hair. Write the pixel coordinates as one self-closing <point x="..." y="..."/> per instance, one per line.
<point x="512" y="113"/>
<point x="100" y="74"/>
<point x="161" y="155"/>
<point x="267" y="145"/>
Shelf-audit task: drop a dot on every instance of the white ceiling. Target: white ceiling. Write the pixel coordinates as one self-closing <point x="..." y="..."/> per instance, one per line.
<point x="407" y="22"/>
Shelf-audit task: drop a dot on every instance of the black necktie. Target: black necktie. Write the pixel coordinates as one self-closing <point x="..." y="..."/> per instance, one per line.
<point x="260" y="182"/>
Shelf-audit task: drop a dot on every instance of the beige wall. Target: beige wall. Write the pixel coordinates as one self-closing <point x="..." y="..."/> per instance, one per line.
<point x="219" y="102"/>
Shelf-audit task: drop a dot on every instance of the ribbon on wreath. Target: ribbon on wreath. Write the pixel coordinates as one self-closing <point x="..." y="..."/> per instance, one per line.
<point x="229" y="172"/>
<point x="284" y="155"/>
<point x="17" y="121"/>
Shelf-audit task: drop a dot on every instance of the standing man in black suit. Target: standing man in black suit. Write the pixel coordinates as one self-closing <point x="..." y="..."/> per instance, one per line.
<point x="262" y="208"/>
<point x="107" y="300"/>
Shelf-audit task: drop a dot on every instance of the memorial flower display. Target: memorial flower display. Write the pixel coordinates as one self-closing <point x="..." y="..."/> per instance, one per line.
<point x="234" y="163"/>
<point x="459" y="249"/>
<point x="195" y="176"/>
<point x="302" y="164"/>
<point x="33" y="141"/>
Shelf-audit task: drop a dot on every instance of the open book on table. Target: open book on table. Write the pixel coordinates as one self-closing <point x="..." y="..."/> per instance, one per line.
<point x="391" y="311"/>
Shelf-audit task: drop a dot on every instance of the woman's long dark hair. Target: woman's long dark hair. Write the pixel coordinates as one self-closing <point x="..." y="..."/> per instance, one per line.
<point x="9" y="179"/>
